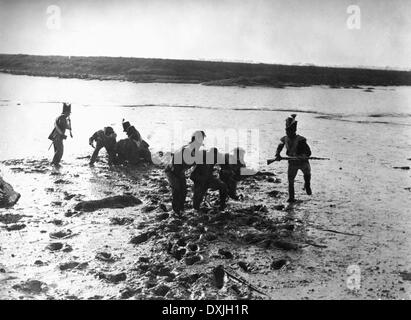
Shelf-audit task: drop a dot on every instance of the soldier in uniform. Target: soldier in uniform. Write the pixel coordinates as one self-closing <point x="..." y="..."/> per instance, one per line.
<point x="61" y="124"/>
<point x="296" y="146"/>
<point x="105" y="138"/>
<point x="142" y="146"/>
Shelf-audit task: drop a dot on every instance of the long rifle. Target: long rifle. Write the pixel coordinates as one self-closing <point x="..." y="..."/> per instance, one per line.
<point x="270" y="161"/>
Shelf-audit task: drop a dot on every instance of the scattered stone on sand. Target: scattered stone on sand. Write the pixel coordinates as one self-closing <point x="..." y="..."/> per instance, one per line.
<point x="15" y="227"/>
<point x="56" y="203"/>
<point x="105" y="256"/>
<point x="68" y="196"/>
<point x="225" y="253"/>
<point x="274" y="193"/>
<point x="121" y="221"/>
<point x="147" y="209"/>
<point x="73" y="265"/>
<point x="122" y="201"/>
<point x="55" y="246"/>
<point x="192" y="259"/>
<point x="162" y="216"/>
<point x="57" y="222"/>
<point x="278" y="264"/>
<point x="113" y="278"/>
<point x="285" y="245"/>
<point x="143" y="237"/>
<point x="10" y="218"/>
<point x="31" y="287"/>
<point x="402" y="168"/>
<point x="218" y="273"/>
<point x="62" y="181"/>
<point x="160" y="290"/>
<point x="244" y="266"/>
<point x="405" y="275"/>
<point x="61" y="234"/>
<point x="127" y="292"/>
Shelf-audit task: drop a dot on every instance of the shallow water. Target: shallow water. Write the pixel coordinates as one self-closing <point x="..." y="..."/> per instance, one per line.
<point x="365" y="134"/>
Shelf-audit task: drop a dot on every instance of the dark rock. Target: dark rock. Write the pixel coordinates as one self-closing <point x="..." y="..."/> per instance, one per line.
<point x="218" y="273"/>
<point x="57" y="222"/>
<point x="144" y="259"/>
<point x="278" y="264"/>
<point x="162" y="216"/>
<point x="402" y="168"/>
<point x="405" y="275"/>
<point x="274" y="193"/>
<point x="73" y="265"/>
<point x="163" y="207"/>
<point x="105" y="256"/>
<point x="141" y="238"/>
<point x="225" y="253"/>
<point x="15" y="227"/>
<point x="56" y="203"/>
<point x="8" y="197"/>
<point x="55" y="246"/>
<point x="61" y="234"/>
<point x="147" y="209"/>
<point x="113" y="278"/>
<point x="243" y="265"/>
<point x="121" y="221"/>
<point x="122" y="201"/>
<point x="210" y="236"/>
<point x="10" y="218"/>
<point x="62" y="181"/>
<point x="192" y="260"/>
<point x="285" y="245"/>
<point x="160" y="290"/>
<point x="129" y="292"/>
<point x="31" y="287"/>
<point x="279" y="207"/>
<point x="38" y="263"/>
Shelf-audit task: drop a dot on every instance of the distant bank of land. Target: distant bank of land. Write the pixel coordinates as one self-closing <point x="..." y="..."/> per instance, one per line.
<point x="204" y="72"/>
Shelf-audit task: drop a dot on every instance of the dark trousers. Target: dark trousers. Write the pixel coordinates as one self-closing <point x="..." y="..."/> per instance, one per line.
<point x="99" y="146"/>
<point x="293" y="168"/>
<point x="201" y="187"/>
<point x="229" y="179"/>
<point x="178" y="186"/>
<point x="58" y="150"/>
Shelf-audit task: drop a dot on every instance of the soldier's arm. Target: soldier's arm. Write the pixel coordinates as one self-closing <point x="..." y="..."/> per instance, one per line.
<point x="279" y="149"/>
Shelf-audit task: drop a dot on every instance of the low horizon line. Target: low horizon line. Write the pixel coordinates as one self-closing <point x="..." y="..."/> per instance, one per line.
<point x="296" y="64"/>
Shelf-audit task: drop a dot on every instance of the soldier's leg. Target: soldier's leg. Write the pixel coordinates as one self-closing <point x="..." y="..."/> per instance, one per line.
<point x="306" y="169"/>
<point x="183" y="191"/>
<point x="217" y="184"/>
<point x="199" y="191"/>
<point x="58" y="150"/>
<point x="175" y="192"/>
<point x="95" y="152"/>
<point x="292" y="172"/>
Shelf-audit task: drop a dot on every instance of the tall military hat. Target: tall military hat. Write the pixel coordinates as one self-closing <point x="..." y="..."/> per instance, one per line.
<point x="290" y="121"/>
<point x="126" y="125"/>
<point x="66" y="108"/>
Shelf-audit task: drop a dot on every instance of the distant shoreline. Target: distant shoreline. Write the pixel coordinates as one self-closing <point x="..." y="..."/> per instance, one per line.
<point x="142" y="70"/>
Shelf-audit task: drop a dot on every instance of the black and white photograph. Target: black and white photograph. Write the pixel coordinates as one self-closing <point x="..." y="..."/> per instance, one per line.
<point x="205" y="150"/>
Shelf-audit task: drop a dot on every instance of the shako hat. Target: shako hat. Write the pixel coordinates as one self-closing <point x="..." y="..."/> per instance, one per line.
<point x="66" y="108"/>
<point x="126" y="125"/>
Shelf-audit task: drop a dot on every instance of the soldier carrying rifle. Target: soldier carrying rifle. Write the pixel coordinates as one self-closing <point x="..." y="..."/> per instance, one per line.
<point x="296" y="146"/>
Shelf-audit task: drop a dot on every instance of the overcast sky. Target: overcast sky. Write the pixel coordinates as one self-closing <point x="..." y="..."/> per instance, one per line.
<point x="271" y="31"/>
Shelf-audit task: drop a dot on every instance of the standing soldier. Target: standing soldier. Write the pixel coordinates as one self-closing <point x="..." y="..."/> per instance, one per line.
<point x="182" y="160"/>
<point x="104" y="139"/>
<point x="296" y="146"/>
<point x="61" y="124"/>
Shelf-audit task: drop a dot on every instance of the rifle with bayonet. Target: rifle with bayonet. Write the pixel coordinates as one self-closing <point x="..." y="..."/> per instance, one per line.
<point x="270" y="161"/>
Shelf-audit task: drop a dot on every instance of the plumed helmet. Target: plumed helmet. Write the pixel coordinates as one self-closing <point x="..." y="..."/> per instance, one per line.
<point x="290" y="122"/>
<point x="198" y="136"/>
<point x="126" y="125"/>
